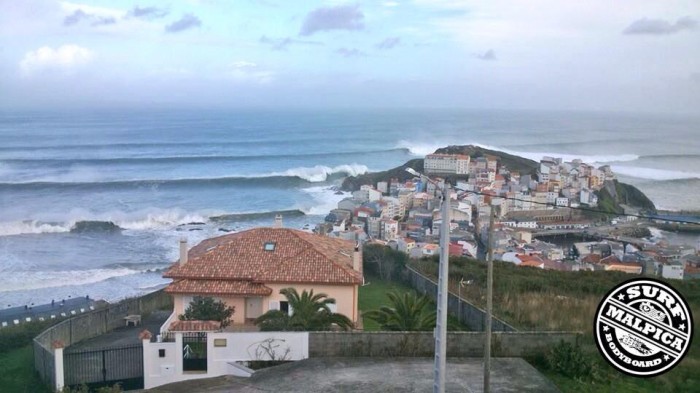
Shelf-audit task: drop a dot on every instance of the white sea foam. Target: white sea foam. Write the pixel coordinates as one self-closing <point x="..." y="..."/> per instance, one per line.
<point x="159" y="219"/>
<point x="148" y="219"/>
<point x="315" y="174"/>
<point x="111" y="289"/>
<point x="422" y="149"/>
<point x="419" y="149"/>
<point x="24" y="280"/>
<point x="653" y="174"/>
<point x="30" y="226"/>
<point x="656" y="234"/>
<point x="324" y="199"/>
<point x="320" y="173"/>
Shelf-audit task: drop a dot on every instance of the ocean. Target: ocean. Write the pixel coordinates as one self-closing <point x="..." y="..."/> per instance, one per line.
<point x="165" y="174"/>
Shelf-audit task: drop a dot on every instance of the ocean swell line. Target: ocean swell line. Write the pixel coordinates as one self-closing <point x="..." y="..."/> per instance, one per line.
<point x="422" y="149"/>
<point x="186" y="159"/>
<point x="289" y="178"/>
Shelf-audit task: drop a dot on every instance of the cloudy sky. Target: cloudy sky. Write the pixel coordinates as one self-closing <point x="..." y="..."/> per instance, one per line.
<point x="629" y="55"/>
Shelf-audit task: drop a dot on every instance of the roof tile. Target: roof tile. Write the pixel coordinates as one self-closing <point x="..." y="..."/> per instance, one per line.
<point x="218" y="287"/>
<point x="298" y="257"/>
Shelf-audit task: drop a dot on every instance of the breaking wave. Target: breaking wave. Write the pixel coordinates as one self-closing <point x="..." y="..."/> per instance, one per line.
<point x="653" y="174"/>
<point x="422" y="149"/>
<point x="31" y="226"/>
<point x="186" y="159"/>
<point x="145" y="220"/>
<point x="23" y="280"/>
<point x="290" y="178"/>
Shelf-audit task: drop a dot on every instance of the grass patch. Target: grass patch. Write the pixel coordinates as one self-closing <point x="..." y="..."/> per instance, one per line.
<point x="17" y="372"/>
<point x="372" y="296"/>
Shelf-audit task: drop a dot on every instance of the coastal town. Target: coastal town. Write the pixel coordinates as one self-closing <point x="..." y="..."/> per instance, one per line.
<point x="542" y="219"/>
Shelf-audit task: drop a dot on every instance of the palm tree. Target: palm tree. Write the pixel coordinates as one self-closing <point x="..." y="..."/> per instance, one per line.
<point x="409" y="313"/>
<point x="310" y="312"/>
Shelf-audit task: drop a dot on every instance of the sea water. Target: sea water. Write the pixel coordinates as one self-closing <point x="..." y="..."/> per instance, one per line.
<point x="161" y="175"/>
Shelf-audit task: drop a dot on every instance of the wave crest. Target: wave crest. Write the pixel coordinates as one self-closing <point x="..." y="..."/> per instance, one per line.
<point x="291" y="177"/>
<point x="31" y="226"/>
<point x="23" y="280"/>
<point x="321" y="173"/>
<point x="653" y="174"/>
<point x="422" y="149"/>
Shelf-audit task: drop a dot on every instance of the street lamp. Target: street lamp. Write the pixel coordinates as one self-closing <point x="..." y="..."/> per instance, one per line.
<point x="441" y="321"/>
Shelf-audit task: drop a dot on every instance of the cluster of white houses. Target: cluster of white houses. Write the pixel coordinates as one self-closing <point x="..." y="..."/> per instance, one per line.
<point x="405" y="215"/>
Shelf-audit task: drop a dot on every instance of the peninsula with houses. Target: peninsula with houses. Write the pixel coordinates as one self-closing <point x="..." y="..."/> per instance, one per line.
<point x="552" y="214"/>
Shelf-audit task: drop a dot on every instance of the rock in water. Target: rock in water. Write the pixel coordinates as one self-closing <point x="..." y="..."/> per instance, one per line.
<point x="95" y="226"/>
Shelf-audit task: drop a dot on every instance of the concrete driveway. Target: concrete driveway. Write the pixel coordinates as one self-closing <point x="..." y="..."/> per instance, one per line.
<point x="384" y="375"/>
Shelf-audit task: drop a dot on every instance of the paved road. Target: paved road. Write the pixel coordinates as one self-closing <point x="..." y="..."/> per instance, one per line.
<point x="34" y="312"/>
<point x="365" y="375"/>
<point x="125" y="335"/>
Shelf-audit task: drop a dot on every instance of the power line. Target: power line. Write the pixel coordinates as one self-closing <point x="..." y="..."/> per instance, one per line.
<point x="583" y="208"/>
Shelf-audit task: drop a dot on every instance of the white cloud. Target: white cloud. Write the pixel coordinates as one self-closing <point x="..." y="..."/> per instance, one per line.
<point x="243" y="64"/>
<point x="63" y="58"/>
<point x="106" y="12"/>
<point x="246" y="71"/>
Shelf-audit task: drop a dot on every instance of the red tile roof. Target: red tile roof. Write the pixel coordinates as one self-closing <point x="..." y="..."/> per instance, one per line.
<point x="532" y="263"/>
<point x="195" y="326"/>
<point x="591" y="258"/>
<point x="218" y="287"/>
<point x="610" y="260"/>
<point x="298" y="256"/>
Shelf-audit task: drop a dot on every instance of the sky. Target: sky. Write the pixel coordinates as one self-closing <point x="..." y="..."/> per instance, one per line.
<point x="626" y="55"/>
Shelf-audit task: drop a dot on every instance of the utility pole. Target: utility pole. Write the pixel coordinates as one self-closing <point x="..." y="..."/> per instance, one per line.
<point x="443" y="291"/>
<point x="441" y="323"/>
<point x="489" y="302"/>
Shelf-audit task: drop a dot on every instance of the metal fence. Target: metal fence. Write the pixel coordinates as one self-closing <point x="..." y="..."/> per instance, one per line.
<point x="467" y="313"/>
<point x="88" y="325"/>
<point x="105" y="367"/>
<point x="194" y="351"/>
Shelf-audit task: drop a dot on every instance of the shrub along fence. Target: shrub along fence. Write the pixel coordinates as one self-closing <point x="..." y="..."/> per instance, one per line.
<point x="467" y="313"/>
<point x="86" y="326"/>
<point x="422" y="344"/>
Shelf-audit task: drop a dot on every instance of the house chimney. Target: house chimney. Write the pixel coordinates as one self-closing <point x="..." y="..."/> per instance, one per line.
<point x="278" y="221"/>
<point x="183" y="251"/>
<point x="357" y="258"/>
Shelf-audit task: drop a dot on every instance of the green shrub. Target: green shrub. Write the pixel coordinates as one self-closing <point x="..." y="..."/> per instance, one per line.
<point x="13" y="337"/>
<point x="569" y="360"/>
<point x="205" y="308"/>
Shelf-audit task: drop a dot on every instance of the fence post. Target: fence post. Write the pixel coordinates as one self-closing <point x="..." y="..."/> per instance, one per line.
<point x="145" y="337"/>
<point x="58" y="364"/>
<point x="104" y="367"/>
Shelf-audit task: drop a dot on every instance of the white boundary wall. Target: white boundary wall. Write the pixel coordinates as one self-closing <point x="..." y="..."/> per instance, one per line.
<point x="229" y="348"/>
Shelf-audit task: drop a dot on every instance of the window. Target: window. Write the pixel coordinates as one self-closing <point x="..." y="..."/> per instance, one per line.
<point x="284" y="307"/>
<point x="269" y="246"/>
<point x="161" y="353"/>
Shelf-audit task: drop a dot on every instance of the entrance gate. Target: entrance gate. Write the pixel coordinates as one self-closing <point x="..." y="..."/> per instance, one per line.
<point x="194" y="351"/>
<point x="105" y="367"/>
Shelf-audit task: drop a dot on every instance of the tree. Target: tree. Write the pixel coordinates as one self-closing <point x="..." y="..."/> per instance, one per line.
<point x="204" y="308"/>
<point x="310" y="312"/>
<point x="409" y="312"/>
<point x="384" y="262"/>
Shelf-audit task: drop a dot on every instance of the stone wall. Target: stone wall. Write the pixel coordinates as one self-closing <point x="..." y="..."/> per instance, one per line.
<point x="88" y="325"/>
<point x="469" y="315"/>
<point x="94" y="323"/>
<point x="422" y="344"/>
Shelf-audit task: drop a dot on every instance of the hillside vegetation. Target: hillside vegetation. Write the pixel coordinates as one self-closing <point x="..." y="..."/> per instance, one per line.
<point x="536" y="299"/>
